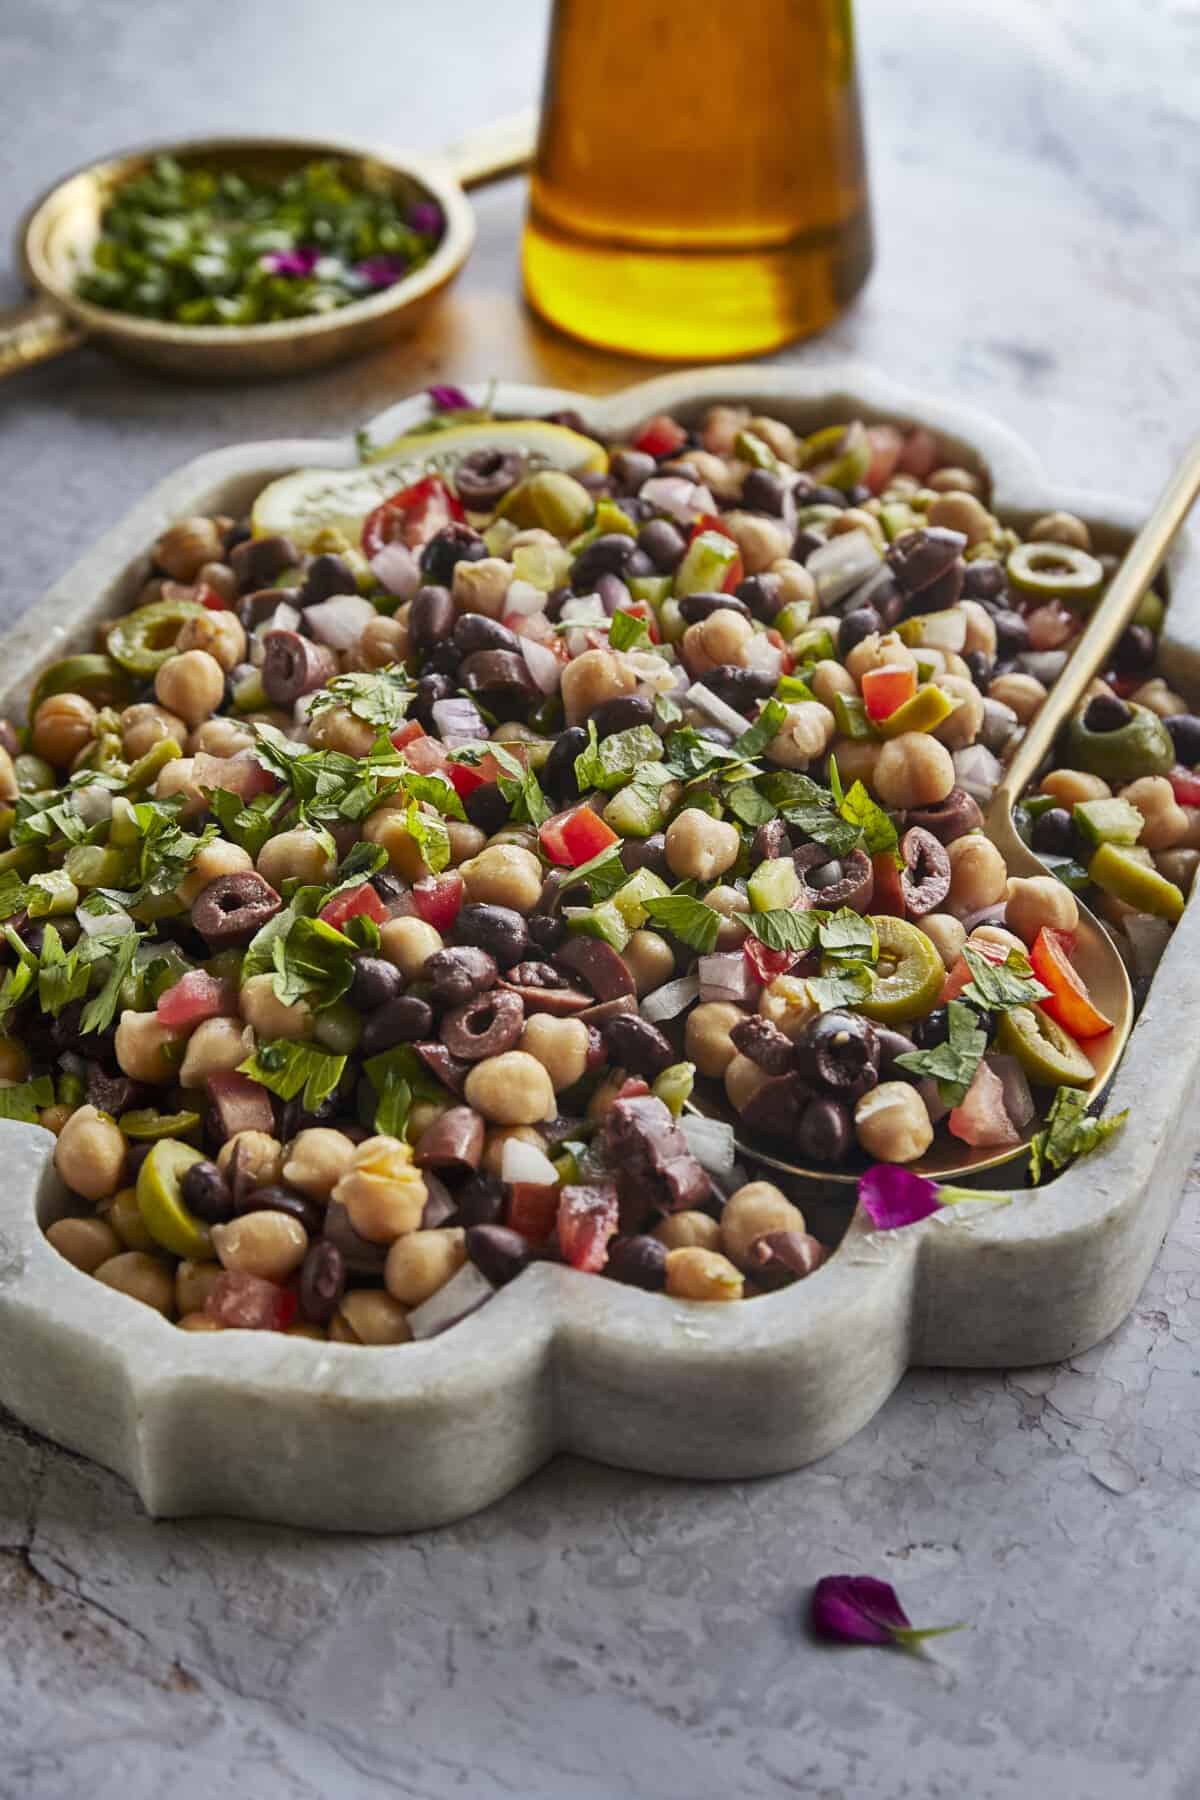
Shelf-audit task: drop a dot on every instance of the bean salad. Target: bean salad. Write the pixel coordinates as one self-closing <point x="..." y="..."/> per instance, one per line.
<point x="382" y="888"/>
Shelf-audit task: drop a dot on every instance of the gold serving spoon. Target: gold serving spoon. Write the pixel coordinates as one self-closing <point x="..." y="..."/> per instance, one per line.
<point x="57" y="235"/>
<point x="1096" y="956"/>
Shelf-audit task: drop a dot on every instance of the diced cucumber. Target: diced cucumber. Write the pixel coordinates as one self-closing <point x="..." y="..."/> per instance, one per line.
<point x="630" y="899"/>
<point x="774" y="885"/>
<point x="603" y="921"/>
<point x="1108" y="821"/>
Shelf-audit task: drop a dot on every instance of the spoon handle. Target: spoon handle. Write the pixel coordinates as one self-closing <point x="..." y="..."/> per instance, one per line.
<point x="496" y="150"/>
<point x="33" y="333"/>
<point x="1138" y="569"/>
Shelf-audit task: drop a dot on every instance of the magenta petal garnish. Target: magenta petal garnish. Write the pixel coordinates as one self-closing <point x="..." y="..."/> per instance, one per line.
<point x="449" y="399"/>
<point x="425" y="216"/>
<point x="857" y="1609"/>
<point x="290" y="262"/>
<point x="381" y="271"/>
<point x="891" y="1196"/>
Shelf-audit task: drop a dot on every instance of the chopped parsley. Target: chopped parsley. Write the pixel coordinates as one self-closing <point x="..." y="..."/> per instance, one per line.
<point x="286" y="1068"/>
<point x="951" y="1064"/>
<point x="691" y="921"/>
<point x="1069" y="1133"/>
<point x="999" y="987"/>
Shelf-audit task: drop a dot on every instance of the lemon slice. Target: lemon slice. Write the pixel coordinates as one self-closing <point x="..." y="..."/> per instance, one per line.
<point x="309" y="504"/>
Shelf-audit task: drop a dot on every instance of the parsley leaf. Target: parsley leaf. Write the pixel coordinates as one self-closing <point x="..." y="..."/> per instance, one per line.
<point x="857" y="808"/>
<point x="611" y="764"/>
<point x="999" y="987"/>
<point x="311" y="961"/>
<point x="691" y="921"/>
<point x="628" y="632"/>
<point x="100" y="1011"/>
<point x="520" y="787"/>
<point x="15" y="894"/>
<point x="848" y="934"/>
<point x="951" y="1064"/>
<point x="1069" y="1132"/>
<point x="744" y="801"/>
<point x="285" y="1067"/>
<point x="666" y="709"/>
<point x="604" y="873"/>
<point x="380" y="697"/>
<point x="249" y="826"/>
<point x="399" y="1077"/>
<point x="848" y="985"/>
<point x="62" y="977"/>
<point x="25" y="1100"/>
<point x="431" y="836"/>
<point x="756" y="737"/>
<point x="782" y="929"/>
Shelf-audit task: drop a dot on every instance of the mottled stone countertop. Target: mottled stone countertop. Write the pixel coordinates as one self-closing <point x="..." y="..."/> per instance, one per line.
<point x="601" y="1634"/>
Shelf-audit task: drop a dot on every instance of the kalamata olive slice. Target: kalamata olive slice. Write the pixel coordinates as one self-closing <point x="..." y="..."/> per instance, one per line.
<point x="358" y="1253"/>
<point x="560" y="999"/>
<point x="776" y="1108"/>
<point x="400" y="1021"/>
<point x="484" y="476"/>
<point x="322" y="1281"/>
<point x="480" y="1200"/>
<point x="854" y="889"/>
<point x="302" y="1207"/>
<point x="598" y="964"/>
<point x="600" y="1014"/>
<point x="451" y="1071"/>
<point x="634" y="1044"/>
<point x="440" y="1204"/>
<point x="892" y="1043"/>
<point x="841" y="1051"/>
<point x="781" y="1257"/>
<point x="294" y="666"/>
<point x="499" y="930"/>
<point x="738" y="687"/>
<point x="824" y="1132"/>
<point x="485" y="1026"/>
<point x="950" y="818"/>
<point x="476" y="631"/>
<point x="771" y="841"/>
<point x="498" y="1252"/>
<point x="458" y="974"/>
<point x="454" y="1141"/>
<point x="940" y="594"/>
<point x="922" y="556"/>
<point x="452" y="544"/>
<point x="925" y="877"/>
<point x="229" y="911"/>
<point x="764" y="1044"/>
<point x="235" y="1103"/>
<point x="646" y="853"/>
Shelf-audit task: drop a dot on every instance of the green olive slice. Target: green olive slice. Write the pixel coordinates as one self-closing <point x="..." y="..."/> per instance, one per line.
<point x="143" y="640"/>
<point x="909" y="975"/>
<point x="1048" y="1055"/>
<point x="1044" y="570"/>
<point x="160" y="1200"/>
<point x="1126" y="878"/>
<point x="96" y="676"/>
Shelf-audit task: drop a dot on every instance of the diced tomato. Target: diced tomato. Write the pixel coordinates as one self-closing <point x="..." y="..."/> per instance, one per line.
<point x="466" y="777"/>
<point x="248" y="1303"/>
<point x="1186" y="785"/>
<point x="886" y="688"/>
<point x="886" y="445"/>
<point x="575" y="836"/>
<point x="736" y="573"/>
<point x="960" y="974"/>
<point x="660" y="436"/>
<point x="1124" y="686"/>
<point x="587" y="1218"/>
<point x="787" y="660"/>
<point x="532" y="1209"/>
<point x="979" y="1118"/>
<point x="209" y="598"/>
<point x="766" y="964"/>
<point x="887" y="895"/>
<point x="438" y="899"/>
<point x="195" y="997"/>
<point x="632" y="1088"/>
<point x="919" y="454"/>
<point x="427" y="755"/>
<point x="1051" y="626"/>
<point x="1069" y="1003"/>
<point x="407" y="734"/>
<point x="412" y="516"/>
<point x="642" y="609"/>
<point x="360" y="901"/>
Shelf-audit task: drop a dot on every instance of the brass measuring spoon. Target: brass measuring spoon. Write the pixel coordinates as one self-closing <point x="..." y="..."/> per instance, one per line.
<point x="57" y="235"/>
<point x="1096" y="956"/>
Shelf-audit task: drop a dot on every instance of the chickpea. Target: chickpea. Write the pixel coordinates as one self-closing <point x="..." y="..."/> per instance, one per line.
<point x="732" y="904"/>
<point x="84" y="1242"/>
<point x="699" y="847"/>
<point x="591" y="679"/>
<point x="876" y="649"/>
<point x="795" y="582"/>
<point x="298" y="855"/>
<point x="1070" y="786"/>
<point x="217" y="858"/>
<point x="978" y="876"/>
<point x="892" y="1124"/>
<point x="194" y="1282"/>
<point x="947" y="935"/>
<point x="953" y="664"/>
<point x="316" y="1161"/>
<point x="560" y="1045"/>
<point x="742" y="1079"/>
<point x="649" y="959"/>
<point x="1178" y="866"/>
<point x="14" y="1060"/>
<point x="421" y="1263"/>
<point x="215" y="1045"/>
<point x="63" y="726"/>
<point x="699" y="658"/>
<point x="142" y="1277"/>
<point x="828" y="678"/>
<point x="1160" y="698"/>
<point x="466" y="841"/>
<point x="382" y="1191"/>
<point x="998" y="935"/>
<point x="492" y="1160"/>
<point x="270" y="1016"/>
<point x="720" y="427"/>
<point x="191" y="684"/>
<point x="220" y="579"/>
<point x="198" y="1321"/>
<point x="722" y="476"/>
<point x="695" y="1274"/>
<point x="706" y="1037"/>
<point x="125" y="1216"/>
<point x="184" y="548"/>
<point x="953" y="480"/>
<point x="504" y="875"/>
<point x="388" y="825"/>
<point x="270" y="1245"/>
<point x="777" y="437"/>
<point x="981" y="628"/>
<point x="409" y="943"/>
<point x="959" y="511"/>
<point x="787" y="1003"/>
<point x="1165" y="824"/>
<point x="964" y="724"/>
<point x="1192" y="840"/>
<point x="259" y="1158"/>
<point x="1060" y="528"/>
<point x="856" y="518"/>
<point x="53" y="1118"/>
<point x="761" y="541"/>
<point x="913" y="770"/>
<point x="482" y="587"/>
<point x="384" y="641"/>
<point x="857" y="760"/>
<point x="511" y="1089"/>
<point x="369" y="1316"/>
<point x="753" y="1210"/>
<point x="221" y="634"/>
<point x="218" y="737"/>
<point x="805" y="734"/>
<point x="146" y="1050"/>
<point x="145" y="725"/>
<point x="1025" y="694"/>
<point x="689" y="1230"/>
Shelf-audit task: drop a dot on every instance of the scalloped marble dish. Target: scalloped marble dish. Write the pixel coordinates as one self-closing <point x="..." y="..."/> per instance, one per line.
<point x="328" y="1435"/>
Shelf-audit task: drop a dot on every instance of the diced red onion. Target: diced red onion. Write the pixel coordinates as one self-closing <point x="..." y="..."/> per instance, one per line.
<point x="458" y="721"/>
<point x="716" y="711"/>
<point x="463" y="1294"/>
<point x="977" y="772"/>
<point x="284" y="618"/>
<point x="397" y="569"/>
<point x="726" y="975"/>
<point x="1148" y="938"/>
<point x="762" y="654"/>
<point x="1018" y="1099"/>
<point x="542" y="664"/>
<point x="840" y="565"/>
<point x="338" y="622"/>
<point x="523" y="598"/>
<point x="935" y="1106"/>
<point x="943" y="630"/>
<point x="113" y="924"/>
<point x="710" y="1142"/>
<point x="1044" y="665"/>
<point x="583" y="609"/>
<point x="525" y="1162"/>
<point x="681" y="499"/>
<point x="93" y="803"/>
<point x="987" y="915"/>
<point x="669" y="1001"/>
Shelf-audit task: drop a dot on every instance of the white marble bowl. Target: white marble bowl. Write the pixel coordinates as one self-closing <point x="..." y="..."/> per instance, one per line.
<point x="327" y="1435"/>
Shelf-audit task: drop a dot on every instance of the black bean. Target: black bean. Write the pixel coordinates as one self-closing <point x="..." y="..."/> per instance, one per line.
<point x="486" y="808"/>
<point x="1012" y="634"/>
<point x="459" y="974"/>
<point x="607" y="554"/>
<point x="547" y="931"/>
<point x="646" y="853"/>
<point x="629" y="468"/>
<point x="475" y="631"/>
<point x="765" y="492"/>
<point x="296" y="1117"/>
<point x="357" y="1252"/>
<point x="430" y="689"/>
<point x="322" y="1282"/>
<point x="256" y="561"/>
<point x="229" y="911"/>
<point x="856" y="626"/>
<point x="484" y="476"/>
<point x="738" y="687"/>
<point x="984" y="579"/>
<point x="387" y="885"/>
<point x="503" y="681"/>
<point x="979" y="663"/>
<point x="1054" y="832"/>
<point x="237" y="534"/>
<point x="558" y="771"/>
<point x="824" y="1132"/>
<point x="932" y="1030"/>
<point x="695" y="607"/>
<point x="1106" y="712"/>
<point x="1185" y="735"/>
<point x="888" y="600"/>
<point x="614" y="595"/>
<point x="325" y="576"/>
<point x="206" y="1193"/>
<point x="400" y="1021"/>
<point x="663" y="543"/>
<point x="820" y="495"/>
<point x="891" y="1045"/>
<point x="443" y="659"/>
<point x="374" y="982"/>
<point x="921" y="557"/>
<point x="622" y="714"/>
<point x="498" y="1253"/>
<point x="301" y="1207"/>
<point x="294" y="666"/>
<point x="639" y="566"/>
<point x="1135" y="650"/>
<point x="762" y="595"/>
<point x="638" y="1262"/>
<point x="448" y="547"/>
<point x="480" y="1200"/>
<point x="498" y="929"/>
<point x="430" y="617"/>
<point x="940" y="594"/>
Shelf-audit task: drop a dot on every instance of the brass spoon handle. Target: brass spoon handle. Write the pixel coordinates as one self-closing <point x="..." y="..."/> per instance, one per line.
<point x="494" y="151"/>
<point x="34" y="333"/>
<point x="1126" y="590"/>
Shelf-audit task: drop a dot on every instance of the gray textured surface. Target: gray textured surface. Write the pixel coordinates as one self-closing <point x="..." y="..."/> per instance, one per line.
<point x="599" y="1634"/>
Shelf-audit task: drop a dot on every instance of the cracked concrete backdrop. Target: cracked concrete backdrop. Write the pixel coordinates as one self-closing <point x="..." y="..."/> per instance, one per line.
<point x="600" y="1634"/>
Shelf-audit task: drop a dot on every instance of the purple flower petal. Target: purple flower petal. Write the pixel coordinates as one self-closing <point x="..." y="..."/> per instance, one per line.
<point x="382" y="271"/>
<point x="425" y="216"/>
<point x="449" y="399"/>
<point x="857" y="1609"/>
<point x="891" y="1196"/>
<point x="290" y="262"/>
